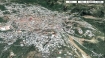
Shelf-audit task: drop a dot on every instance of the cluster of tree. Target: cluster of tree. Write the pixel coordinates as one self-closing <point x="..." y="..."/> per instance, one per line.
<point x="88" y="10"/>
<point x="2" y="7"/>
<point x="3" y="19"/>
<point x="50" y="4"/>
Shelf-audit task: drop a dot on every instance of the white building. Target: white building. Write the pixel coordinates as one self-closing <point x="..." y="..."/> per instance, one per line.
<point x="4" y="28"/>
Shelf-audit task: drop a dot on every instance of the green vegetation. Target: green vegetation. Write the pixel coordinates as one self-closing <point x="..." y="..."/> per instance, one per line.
<point x="1" y="19"/>
<point x="99" y="24"/>
<point x="2" y="7"/>
<point x="57" y="5"/>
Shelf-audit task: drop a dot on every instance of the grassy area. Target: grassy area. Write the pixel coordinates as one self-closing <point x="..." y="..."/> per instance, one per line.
<point x="99" y="24"/>
<point x="21" y="52"/>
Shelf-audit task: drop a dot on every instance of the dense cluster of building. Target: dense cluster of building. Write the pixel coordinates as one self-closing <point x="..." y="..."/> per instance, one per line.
<point x="38" y="26"/>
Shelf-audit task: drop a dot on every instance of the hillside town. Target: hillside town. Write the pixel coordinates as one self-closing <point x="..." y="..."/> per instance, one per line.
<point x="53" y="34"/>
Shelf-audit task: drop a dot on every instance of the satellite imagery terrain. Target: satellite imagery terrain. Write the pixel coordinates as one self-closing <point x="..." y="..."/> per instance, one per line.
<point x="52" y="29"/>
